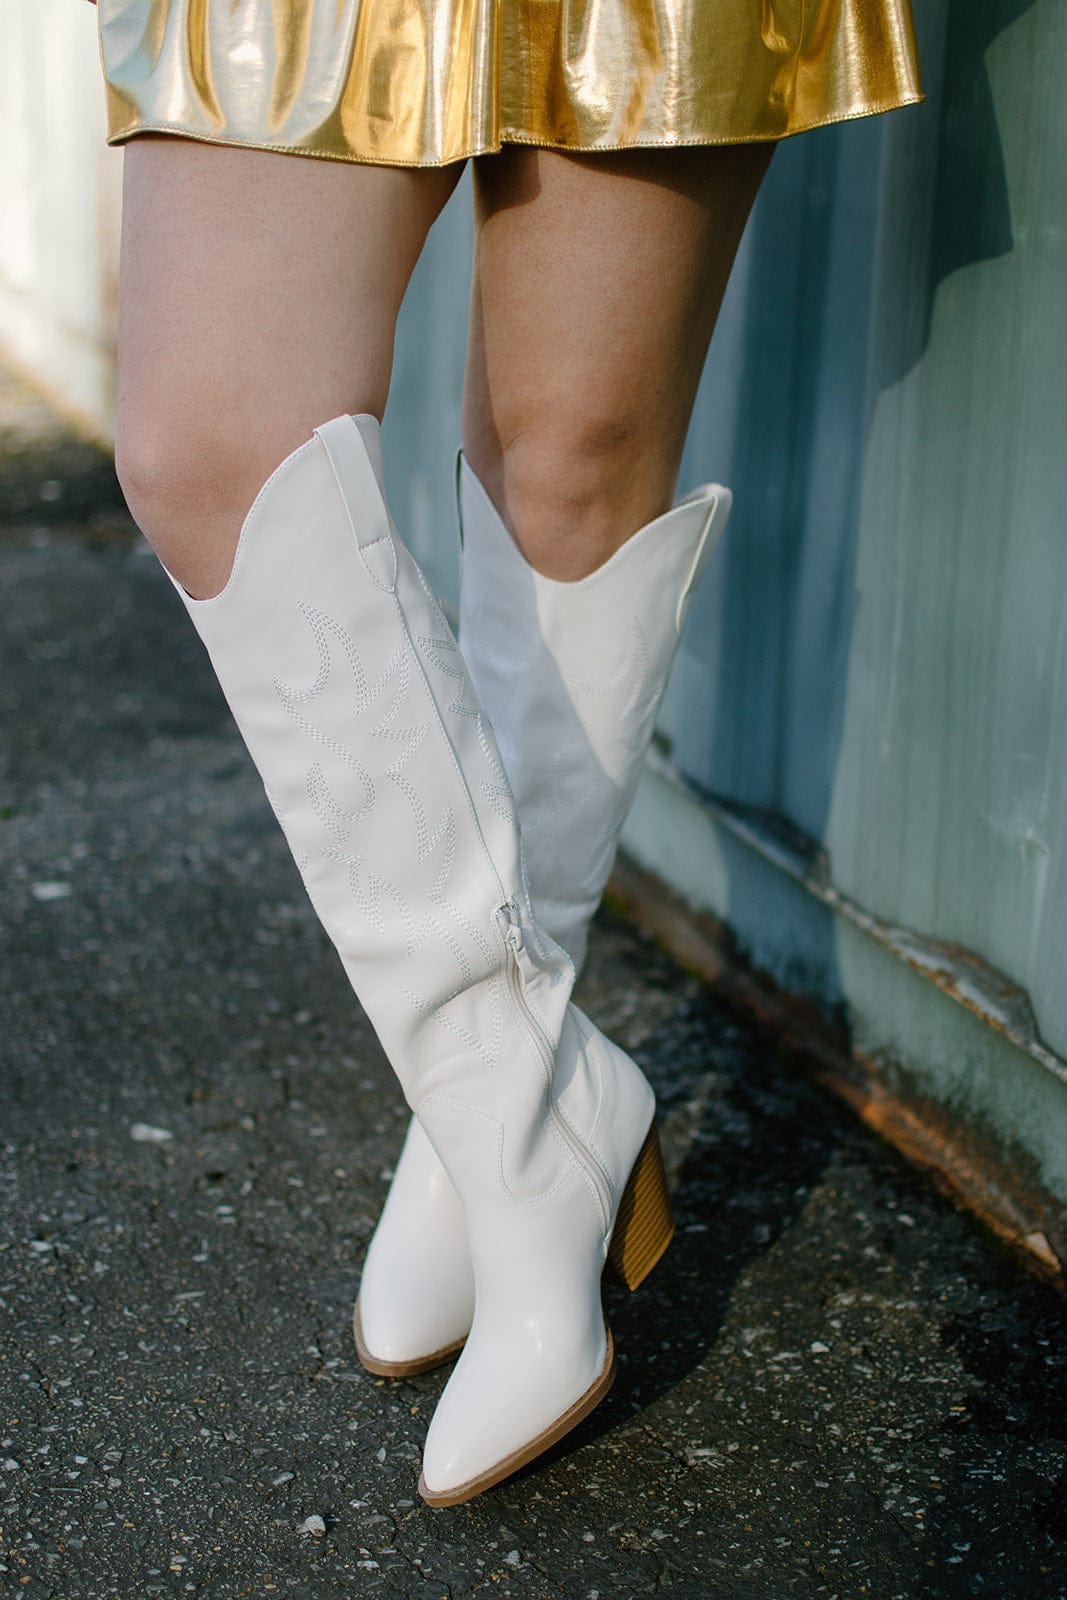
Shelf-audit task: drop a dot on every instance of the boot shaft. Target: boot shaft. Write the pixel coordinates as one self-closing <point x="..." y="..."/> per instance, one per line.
<point x="572" y="676"/>
<point x="347" y="685"/>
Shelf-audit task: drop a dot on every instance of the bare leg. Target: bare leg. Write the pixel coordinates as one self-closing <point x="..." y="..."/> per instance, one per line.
<point x="259" y="299"/>
<point x="598" y="280"/>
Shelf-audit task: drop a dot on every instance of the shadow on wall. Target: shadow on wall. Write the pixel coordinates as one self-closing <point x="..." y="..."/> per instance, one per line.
<point x="855" y="230"/>
<point x="971" y="212"/>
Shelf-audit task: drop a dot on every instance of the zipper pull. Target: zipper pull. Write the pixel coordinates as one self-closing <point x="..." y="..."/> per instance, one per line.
<point x="508" y="917"/>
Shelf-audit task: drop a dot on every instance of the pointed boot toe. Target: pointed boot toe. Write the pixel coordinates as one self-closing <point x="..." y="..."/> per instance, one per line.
<point x="416" y="1294"/>
<point x="471" y="1446"/>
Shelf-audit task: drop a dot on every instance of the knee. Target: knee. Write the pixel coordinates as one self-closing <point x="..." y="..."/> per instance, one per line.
<point x="573" y="488"/>
<point x="188" y="488"/>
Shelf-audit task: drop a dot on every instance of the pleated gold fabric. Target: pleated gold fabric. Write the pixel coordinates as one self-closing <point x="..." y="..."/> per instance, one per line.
<point x="423" y="82"/>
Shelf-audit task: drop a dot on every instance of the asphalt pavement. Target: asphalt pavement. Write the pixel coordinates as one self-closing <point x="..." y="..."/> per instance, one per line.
<point x="835" y="1384"/>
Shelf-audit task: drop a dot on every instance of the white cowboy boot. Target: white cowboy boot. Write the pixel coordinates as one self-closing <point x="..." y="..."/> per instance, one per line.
<point x="381" y="766"/>
<point x="571" y="675"/>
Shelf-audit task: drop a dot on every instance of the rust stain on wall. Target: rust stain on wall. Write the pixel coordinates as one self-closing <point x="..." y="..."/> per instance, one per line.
<point x="969" y="1168"/>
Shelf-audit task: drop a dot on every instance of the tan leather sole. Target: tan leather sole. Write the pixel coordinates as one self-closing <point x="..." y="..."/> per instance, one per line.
<point x="537" y="1446"/>
<point x="400" y="1369"/>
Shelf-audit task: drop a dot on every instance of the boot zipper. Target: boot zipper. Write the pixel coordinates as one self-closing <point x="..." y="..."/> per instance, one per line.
<point x="521" y="969"/>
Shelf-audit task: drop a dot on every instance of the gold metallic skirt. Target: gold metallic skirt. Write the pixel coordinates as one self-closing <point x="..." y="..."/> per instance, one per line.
<point x="421" y="82"/>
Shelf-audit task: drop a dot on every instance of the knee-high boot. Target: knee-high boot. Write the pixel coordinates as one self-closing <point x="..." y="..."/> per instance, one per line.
<point x="381" y="766"/>
<point x="571" y="675"/>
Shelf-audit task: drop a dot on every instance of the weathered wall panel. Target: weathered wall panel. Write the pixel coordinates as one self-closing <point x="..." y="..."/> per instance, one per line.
<point x="955" y="668"/>
<point x="879" y="657"/>
<point x="59" y="205"/>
